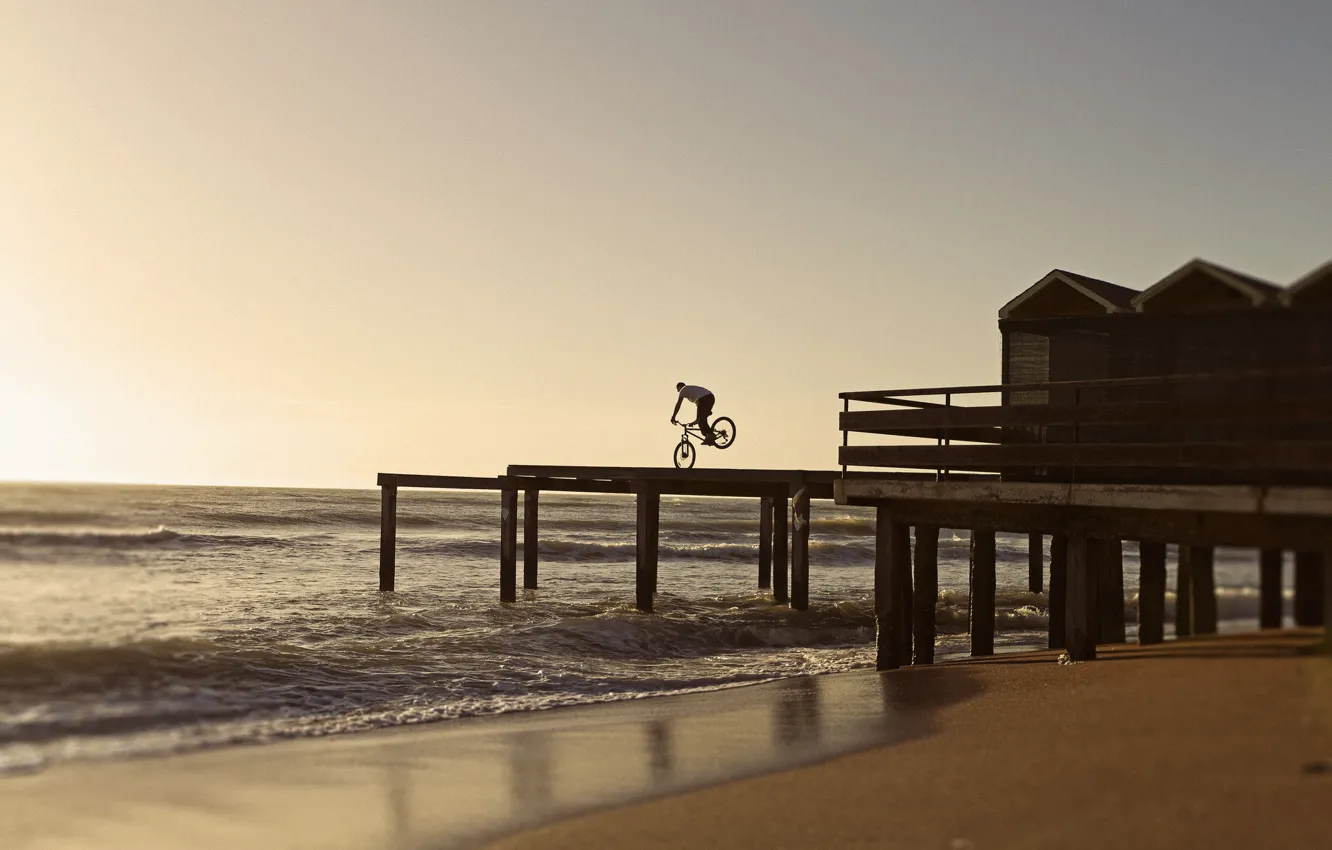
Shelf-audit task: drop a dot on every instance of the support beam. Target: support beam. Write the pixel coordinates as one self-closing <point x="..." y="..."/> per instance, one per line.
<point x="1183" y="595"/>
<point x="765" y="543"/>
<point x="982" y="592"/>
<point x="1082" y="608"/>
<point x="1269" y="589"/>
<point x="509" y="545"/>
<point x="1110" y="591"/>
<point x="1058" y="591"/>
<point x="530" y="539"/>
<point x="645" y="575"/>
<point x="800" y="550"/>
<point x="926" y="593"/>
<point x="1035" y="562"/>
<point x="1202" y="575"/>
<point x="1151" y="592"/>
<point x="388" y="533"/>
<point x="781" y="557"/>
<point x="1309" y="581"/>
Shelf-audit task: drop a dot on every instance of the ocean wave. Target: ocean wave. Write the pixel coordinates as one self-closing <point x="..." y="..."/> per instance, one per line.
<point x="824" y="553"/>
<point x="35" y="540"/>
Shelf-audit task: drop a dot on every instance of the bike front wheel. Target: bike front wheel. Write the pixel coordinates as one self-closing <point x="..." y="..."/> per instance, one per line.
<point x="685" y="455"/>
<point x="723" y="431"/>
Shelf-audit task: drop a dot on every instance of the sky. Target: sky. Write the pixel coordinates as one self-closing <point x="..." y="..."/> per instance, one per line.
<point x="300" y="243"/>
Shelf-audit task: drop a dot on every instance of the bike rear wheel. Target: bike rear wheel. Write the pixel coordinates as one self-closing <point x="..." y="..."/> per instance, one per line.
<point x="723" y="431"/>
<point x="685" y="455"/>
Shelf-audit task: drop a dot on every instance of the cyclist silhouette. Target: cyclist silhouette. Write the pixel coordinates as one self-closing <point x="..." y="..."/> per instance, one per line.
<point x="704" y="400"/>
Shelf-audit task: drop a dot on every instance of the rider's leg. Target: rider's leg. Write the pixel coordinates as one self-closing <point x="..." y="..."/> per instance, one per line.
<point x="704" y="411"/>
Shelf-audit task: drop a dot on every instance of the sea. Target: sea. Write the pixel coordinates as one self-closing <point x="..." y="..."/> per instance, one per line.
<point x="144" y="620"/>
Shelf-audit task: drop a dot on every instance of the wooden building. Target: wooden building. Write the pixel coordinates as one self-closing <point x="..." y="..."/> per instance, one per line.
<point x="1196" y="412"/>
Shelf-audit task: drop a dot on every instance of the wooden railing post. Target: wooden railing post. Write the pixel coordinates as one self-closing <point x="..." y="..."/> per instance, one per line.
<point x="1269" y="589"/>
<point x="508" y="545"/>
<point x="926" y="594"/>
<point x="982" y="592"/>
<point x="780" y="546"/>
<point x="1151" y="592"/>
<point x="388" y="531"/>
<point x="530" y="513"/>
<point x="765" y="543"/>
<point x="800" y="550"/>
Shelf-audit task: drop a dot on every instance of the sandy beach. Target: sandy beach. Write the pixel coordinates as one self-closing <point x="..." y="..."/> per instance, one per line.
<point x="1213" y="743"/>
<point x="1225" y="742"/>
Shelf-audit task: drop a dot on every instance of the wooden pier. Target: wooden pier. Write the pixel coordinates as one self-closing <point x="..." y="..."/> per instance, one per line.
<point x="783" y="496"/>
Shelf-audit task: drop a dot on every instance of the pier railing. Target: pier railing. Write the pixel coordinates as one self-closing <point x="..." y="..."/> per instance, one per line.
<point x="1256" y="427"/>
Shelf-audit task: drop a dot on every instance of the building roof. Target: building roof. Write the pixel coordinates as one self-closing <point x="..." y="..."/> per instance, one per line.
<point x="1316" y="286"/>
<point x="1097" y="295"/>
<point x="1257" y="292"/>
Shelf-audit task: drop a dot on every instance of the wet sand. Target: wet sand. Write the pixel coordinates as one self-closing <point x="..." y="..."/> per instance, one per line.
<point x="1218" y="743"/>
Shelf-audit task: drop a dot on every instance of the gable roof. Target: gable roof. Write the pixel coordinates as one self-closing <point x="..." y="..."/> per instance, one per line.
<point x="1258" y="292"/>
<point x="1316" y="285"/>
<point x="1111" y="297"/>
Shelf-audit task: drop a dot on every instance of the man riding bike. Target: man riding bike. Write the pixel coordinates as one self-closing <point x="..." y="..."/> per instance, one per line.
<point x="704" y="400"/>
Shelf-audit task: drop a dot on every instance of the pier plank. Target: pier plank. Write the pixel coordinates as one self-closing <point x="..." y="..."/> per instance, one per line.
<point x="1240" y="458"/>
<point x="1151" y="592"/>
<point x="925" y="596"/>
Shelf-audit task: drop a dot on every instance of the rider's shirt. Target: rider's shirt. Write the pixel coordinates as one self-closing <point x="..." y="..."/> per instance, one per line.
<point x="693" y="393"/>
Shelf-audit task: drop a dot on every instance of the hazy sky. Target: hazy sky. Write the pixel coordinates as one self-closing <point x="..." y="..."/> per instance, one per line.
<point x="303" y="242"/>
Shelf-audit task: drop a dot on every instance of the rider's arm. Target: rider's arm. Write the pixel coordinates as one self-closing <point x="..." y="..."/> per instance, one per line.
<point x="676" y="411"/>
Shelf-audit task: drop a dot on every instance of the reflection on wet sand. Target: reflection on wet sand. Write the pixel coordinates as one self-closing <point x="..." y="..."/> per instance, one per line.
<point x="458" y="782"/>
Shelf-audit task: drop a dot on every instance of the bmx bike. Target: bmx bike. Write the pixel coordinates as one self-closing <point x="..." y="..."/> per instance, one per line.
<point x="723" y="431"/>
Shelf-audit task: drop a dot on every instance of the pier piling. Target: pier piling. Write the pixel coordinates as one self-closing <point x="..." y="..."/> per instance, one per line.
<point x="388" y="533"/>
<point x="892" y="556"/>
<point x="509" y="545"/>
<point x="1151" y="592"/>
<point x="1058" y="606"/>
<point x="780" y="549"/>
<point x="1269" y="589"/>
<point x="1183" y="595"/>
<point x="1082" y="608"/>
<point x="1309" y="582"/>
<point x="982" y="592"/>
<point x="765" y="543"/>
<point x="530" y="540"/>
<point x="800" y="550"/>
<point x="1110" y="590"/>
<point x="649" y="518"/>
<point x="926" y="593"/>
<point x="1202" y="575"/>
<point x="1035" y="562"/>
